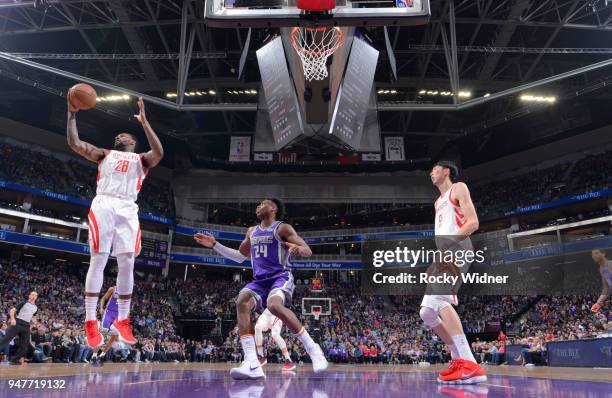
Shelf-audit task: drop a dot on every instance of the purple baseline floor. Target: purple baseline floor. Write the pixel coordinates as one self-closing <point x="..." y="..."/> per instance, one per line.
<point x="351" y="384"/>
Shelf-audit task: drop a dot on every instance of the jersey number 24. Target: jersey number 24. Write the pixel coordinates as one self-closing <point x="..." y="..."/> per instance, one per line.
<point x="261" y="251"/>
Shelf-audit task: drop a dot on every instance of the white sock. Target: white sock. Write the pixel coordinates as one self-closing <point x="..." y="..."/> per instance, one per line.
<point x="248" y="347"/>
<point x="91" y="305"/>
<point x="453" y="350"/>
<point x="305" y="339"/>
<point x="463" y="347"/>
<point x="124" y="308"/>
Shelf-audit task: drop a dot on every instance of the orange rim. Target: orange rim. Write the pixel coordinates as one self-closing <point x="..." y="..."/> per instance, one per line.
<point x="297" y="45"/>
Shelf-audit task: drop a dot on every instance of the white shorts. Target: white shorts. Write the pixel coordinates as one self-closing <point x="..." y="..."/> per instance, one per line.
<point x="438" y="301"/>
<point x="267" y="321"/>
<point x="113" y="223"/>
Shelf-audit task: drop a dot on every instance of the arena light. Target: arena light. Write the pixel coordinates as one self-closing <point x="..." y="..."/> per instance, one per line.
<point x="538" y="98"/>
<point x="113" y="98"/>
<point x="464" y="94"/>
<point x="487" y="95"/>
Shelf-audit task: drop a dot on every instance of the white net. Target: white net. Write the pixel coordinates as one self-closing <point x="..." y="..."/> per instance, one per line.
<point x="314" y="46"/>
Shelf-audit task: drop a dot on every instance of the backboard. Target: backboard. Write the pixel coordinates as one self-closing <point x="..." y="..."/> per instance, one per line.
<point x="285" y="13"/>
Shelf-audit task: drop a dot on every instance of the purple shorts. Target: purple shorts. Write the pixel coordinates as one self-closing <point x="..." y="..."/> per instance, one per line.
<point x="261" y="289"/>
<point x="108" y="319"/>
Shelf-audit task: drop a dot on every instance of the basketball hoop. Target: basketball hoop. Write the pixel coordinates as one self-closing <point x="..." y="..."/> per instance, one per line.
<point x="316" y="313"/>
<point x="314" y="46"/>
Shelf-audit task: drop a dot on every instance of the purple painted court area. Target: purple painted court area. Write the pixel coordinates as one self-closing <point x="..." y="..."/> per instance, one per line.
<point x="302" y="384"/>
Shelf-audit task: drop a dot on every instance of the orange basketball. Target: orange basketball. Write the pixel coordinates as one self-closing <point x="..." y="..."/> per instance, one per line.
<point x="82" y="96"/>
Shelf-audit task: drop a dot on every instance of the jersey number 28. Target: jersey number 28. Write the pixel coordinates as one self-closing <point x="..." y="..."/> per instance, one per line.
<point x="122" y="166"/>
<point x="261" y="251"/>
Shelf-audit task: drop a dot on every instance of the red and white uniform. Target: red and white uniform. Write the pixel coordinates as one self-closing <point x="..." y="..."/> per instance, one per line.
<point x="268" y="321"/>
<point x="113" y="217"/>
<point x="449" y="219"/>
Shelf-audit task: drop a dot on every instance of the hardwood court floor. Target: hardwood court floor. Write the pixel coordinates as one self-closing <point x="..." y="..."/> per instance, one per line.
<point x="177" y="380"/>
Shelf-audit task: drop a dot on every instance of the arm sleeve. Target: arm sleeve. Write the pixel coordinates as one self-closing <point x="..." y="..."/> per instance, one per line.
<point x="18" y="308"/>
<point x="227" y="252"/>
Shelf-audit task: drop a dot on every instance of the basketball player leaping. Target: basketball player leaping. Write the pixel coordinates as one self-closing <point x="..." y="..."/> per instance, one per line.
<point x="456" y="217"/>
<point x="267" y="321"/>
<point x="269" y="245"/>
<point x="113" y="218"/>
<point x="605" y="269"/>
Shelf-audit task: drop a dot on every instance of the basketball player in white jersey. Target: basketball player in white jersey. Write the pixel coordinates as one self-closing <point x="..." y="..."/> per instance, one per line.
<point x="113" y="218"/>
<point x="268" y="321"/>
<point x="455" y="218"/>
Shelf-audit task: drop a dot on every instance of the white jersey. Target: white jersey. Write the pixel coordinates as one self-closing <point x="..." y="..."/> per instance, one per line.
<point x="449" y="217"/>
<point x="120" y="174"/>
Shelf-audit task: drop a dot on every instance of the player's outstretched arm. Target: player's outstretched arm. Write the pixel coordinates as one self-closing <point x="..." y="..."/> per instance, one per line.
<point x="85" y="149"/>
<point x="155" y="155"/>
<point x="295" y="244"/>
<point x="238" y="256"/>
<point x="461" y="193"/>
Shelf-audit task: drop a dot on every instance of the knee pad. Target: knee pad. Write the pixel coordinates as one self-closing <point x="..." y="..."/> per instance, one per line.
<point x="430" y="317"/>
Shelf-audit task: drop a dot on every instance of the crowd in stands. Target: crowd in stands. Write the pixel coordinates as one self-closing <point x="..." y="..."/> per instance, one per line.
<point x="59" y="331"/>
<point x="587" y="174"/>
<point x="37" y="169"/>
<point x="360" y="329"/>
<point x="77" y="178"/>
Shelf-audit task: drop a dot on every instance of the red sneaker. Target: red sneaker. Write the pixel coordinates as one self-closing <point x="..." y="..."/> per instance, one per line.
<point x="453" y="364"/>
<point x="124" y="330"/>
<point x="467" y="373"/>
<point x="288" y="366"/>
<point x="94" y="337"/>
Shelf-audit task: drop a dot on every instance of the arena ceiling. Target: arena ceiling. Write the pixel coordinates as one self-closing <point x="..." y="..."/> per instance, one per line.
<point x="159" y="46"/>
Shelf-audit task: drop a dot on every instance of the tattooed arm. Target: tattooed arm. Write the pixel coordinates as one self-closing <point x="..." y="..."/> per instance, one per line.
<point x="85" y="149"/>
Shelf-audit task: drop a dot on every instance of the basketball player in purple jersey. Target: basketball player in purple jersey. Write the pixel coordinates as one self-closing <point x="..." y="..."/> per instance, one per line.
<point x="605" y="269"/>
<point x="270" y="246"/>
<point x="110" y="314"/>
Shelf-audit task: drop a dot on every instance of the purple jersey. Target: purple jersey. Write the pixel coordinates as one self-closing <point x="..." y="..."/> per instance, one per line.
<point x="112" y="305"/>
<point x="269" y="256"/>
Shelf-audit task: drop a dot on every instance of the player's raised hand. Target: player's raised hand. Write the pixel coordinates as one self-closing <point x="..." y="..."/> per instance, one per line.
<point x="596" y="307"/>
<point x="293" y="248"/>
<point x="71" y="108"/>
<point x="205" y="240"/>
<point x="141" y="117"/>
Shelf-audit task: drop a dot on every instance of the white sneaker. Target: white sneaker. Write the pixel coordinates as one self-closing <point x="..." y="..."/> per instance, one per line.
<point x="319" y="363"/>
<point x="249" y="370"/>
